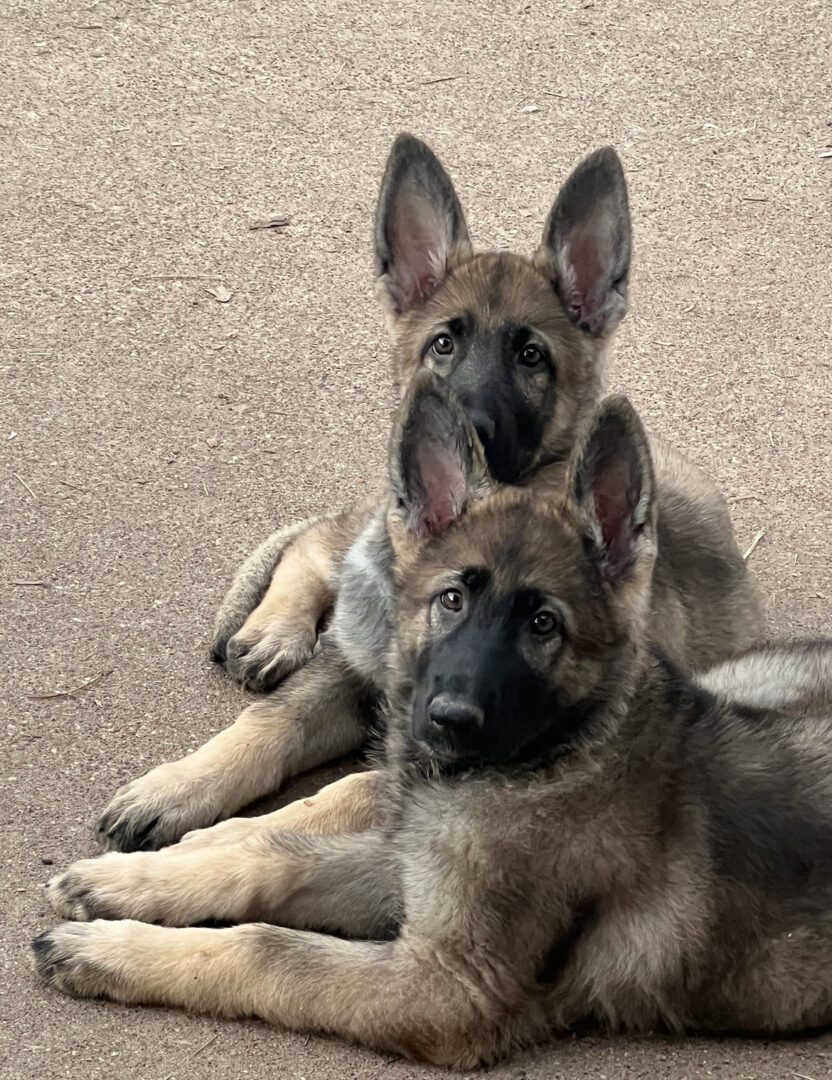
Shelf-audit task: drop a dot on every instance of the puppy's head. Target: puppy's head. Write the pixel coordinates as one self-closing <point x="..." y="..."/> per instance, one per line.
<point x="518" y="620"/>
<point x="520" y="341"/>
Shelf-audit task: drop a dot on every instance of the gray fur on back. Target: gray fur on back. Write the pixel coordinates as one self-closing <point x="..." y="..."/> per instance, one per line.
<point x="362" y="623"/>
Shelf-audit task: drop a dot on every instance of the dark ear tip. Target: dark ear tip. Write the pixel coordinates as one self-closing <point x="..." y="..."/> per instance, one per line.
<point x="618" y="409"/>
<point x="405" y="137"/>
<point x="424" y="381"/>
<point x="406" y="145"/>
<point x="608" y="155"/>
<point x="606" y="162"/>
<point x="429" y="398"/>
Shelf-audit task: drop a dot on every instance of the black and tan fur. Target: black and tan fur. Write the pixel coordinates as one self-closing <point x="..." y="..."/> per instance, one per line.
<point x="633" y="846"/>
<point x="522" y="342"/>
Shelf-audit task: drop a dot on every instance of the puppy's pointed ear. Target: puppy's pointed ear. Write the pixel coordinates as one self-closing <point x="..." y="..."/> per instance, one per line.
<point x="611" y="489"/>
<point x="587" y="241"/>
<point x="420" y="227"/>
<point x="437" y="464"/>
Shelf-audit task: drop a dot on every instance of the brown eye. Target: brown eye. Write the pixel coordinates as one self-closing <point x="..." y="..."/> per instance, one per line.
<point x="531" y="356"/>
<point x="443" y="345"/>
<point x="544" y="623"/>
<point x="451" y="600"/>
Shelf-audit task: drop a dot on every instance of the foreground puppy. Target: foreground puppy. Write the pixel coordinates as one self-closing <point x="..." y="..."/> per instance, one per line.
<point x="523" y="343"/>
<point x="575" y="829"/>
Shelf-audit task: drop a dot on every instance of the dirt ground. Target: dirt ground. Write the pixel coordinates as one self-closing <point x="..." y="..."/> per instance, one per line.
<point x="152" y="431"/>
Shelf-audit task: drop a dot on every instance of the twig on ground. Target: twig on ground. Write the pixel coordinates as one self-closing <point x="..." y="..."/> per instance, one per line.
<point x="205" y="1045"/>
<point x="754" y="543"/>
<point x="442" y="78"/>
<point x="75" y="690"/>
<point x="39" y="584"/>
<point x="271" y="223"/>
<point x="20" y="480"/>
<point x="178" y="277"/>
<point x="199" y="1049"/>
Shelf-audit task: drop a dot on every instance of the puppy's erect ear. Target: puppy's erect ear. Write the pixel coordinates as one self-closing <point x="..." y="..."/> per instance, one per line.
<point x="437" y="464"/>
<point x="611" y="488"/>
<point x="420" y="228"/>
<point x="586" y="244"/>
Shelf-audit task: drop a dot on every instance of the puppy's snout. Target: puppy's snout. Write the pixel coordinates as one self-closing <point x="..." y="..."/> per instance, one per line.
<point x="455" y="714"/>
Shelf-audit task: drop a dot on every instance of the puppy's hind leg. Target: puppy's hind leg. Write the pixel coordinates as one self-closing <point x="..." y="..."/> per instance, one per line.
<point x="250" y="584"/>
<point x="404" y="996"/>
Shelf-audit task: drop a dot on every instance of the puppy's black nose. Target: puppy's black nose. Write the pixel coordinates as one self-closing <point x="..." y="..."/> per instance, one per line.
<point x="452" y="713"/>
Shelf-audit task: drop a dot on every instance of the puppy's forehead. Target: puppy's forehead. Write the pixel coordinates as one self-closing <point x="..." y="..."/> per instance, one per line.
<point x="496" y="290"/>
<point x="522" y="546"/>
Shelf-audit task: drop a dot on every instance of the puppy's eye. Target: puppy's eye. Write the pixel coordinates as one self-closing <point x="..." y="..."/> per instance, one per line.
<point x="443" y="345"/>
<point x="544" y="624"/>
<point x="451" y="600"/>
<point x="531" y="356"/>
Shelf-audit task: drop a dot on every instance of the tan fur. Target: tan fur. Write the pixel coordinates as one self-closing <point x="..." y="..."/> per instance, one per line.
<point x="508" y="288"/>
<point x="799" y="679"/>
<point x="351" y="804"/>
<point x="494" y="872"/>
<point x="302" y="587"/>
<point x="703" y="611"/>
<point x="280" y="633"/>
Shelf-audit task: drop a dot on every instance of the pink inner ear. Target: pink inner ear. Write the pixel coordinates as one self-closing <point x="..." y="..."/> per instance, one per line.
<point x="444" y="489"/>
<point x="588" y="254"/>
<point x="611" y="501"/>
<point x="419" y="251"/>
<point x="611" y="512"/>
<point x="584" y="258"/>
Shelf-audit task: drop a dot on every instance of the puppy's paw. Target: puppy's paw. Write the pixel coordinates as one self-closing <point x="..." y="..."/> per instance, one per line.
<point x="263" y="653"/>
<point x="78" y="958"/>
<point x="158" y="809"/>
<point x="114" y="886"/>
<point x="175" y="887"/>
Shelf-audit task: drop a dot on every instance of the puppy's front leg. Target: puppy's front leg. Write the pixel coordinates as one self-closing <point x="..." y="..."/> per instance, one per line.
<point x="352" y="804"/>
<point x="319" y="713"/>
<point x="402" y="996"/>
<point x="344" y="884"/>
<point x="278" y="636"/>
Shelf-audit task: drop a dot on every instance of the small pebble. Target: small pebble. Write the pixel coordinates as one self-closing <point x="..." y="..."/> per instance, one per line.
<point x="47" y="862"/>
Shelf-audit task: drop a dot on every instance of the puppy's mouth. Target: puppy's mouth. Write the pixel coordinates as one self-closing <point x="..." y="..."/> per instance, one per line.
<point x="437" y="755"/>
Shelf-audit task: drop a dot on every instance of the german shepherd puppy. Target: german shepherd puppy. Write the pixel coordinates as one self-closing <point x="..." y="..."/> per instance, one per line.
<point x="576" y="829"/>
<point x="522" y="343"/>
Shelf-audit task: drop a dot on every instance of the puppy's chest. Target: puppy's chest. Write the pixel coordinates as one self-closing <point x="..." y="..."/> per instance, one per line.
<point x="362" y="620"/>
<point x="516" y="842"/>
